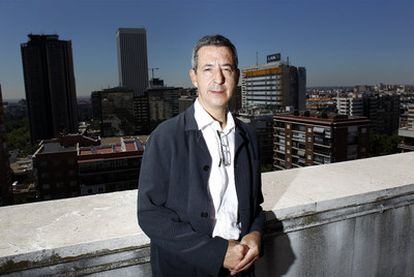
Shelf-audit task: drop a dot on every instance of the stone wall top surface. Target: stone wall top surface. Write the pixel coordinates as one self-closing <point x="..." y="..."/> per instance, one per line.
<point x="80" y="225"/>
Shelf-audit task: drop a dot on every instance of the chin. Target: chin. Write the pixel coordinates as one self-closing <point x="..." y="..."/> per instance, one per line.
<point x="220" y="104"/>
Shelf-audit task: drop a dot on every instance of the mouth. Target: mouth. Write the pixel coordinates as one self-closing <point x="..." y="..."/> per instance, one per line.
<point x="216" y="91"/>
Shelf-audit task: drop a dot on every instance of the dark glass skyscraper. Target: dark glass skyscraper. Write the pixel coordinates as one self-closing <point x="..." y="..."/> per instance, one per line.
<point x="6" y="193"/>
<point x="50" y="86"/>
<point x="132" y="59"/>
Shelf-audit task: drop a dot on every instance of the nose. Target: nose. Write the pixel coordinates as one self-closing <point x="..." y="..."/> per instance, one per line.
<point x="218" y="76"/>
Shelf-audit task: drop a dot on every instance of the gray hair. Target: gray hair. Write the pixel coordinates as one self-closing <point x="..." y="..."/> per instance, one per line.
<point x="213" y="40"/>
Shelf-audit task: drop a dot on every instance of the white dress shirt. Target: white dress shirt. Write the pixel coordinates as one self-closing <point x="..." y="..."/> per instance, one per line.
<point x="221" y="182"/>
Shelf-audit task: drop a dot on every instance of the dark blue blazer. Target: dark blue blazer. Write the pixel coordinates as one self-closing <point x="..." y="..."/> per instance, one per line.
<point x="175" y="209"/>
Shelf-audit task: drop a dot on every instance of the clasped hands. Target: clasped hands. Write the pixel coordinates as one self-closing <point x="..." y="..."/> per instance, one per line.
<point x="241" y="255"/>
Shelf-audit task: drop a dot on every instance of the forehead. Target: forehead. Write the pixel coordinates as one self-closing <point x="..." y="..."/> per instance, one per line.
<point x="215" y="54"/>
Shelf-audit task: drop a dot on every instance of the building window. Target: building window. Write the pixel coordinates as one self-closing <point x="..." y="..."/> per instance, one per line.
<point x="309" y="157"/>
<point x="309" y="130"/>
<point x="287" y="126"/>
<point x="288" y="143"/>
<point x="309" y="139"/>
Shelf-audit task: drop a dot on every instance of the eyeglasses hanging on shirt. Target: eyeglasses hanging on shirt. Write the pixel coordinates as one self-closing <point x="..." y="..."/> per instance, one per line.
<point x="224" y="149"/>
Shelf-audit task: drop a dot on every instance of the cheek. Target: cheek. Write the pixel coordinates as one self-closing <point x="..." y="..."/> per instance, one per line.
<point x="206" y="82"/>
<point x="230" y="82"/>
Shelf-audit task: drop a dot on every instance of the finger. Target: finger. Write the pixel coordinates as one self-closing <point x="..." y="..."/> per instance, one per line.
<point x="242" y="250"/>
<point x="245" y="249"/>
<point x="247" y="259"/>
<point x="249" y="264"/>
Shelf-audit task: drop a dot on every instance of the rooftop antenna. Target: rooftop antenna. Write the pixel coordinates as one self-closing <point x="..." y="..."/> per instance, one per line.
<point x="257" y="59"/>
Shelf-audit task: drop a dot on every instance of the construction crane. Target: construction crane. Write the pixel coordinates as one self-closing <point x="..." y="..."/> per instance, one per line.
<point x="152" y="71"/>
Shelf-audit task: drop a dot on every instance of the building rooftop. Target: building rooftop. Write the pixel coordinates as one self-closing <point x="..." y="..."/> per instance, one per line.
<point x="53" y="147"/>
<point x="345" y="219"/>
<point x="113" y="145"/>
<point x="323" y="118"/>
<point x="406" y="132"/>
<point x="22" y="165"/>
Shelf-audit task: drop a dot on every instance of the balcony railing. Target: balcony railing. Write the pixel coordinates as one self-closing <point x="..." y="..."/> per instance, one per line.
<point x="345" y="219"/>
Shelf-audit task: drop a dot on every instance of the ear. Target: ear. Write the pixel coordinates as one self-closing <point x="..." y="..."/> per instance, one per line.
<point x="193" y="77"/>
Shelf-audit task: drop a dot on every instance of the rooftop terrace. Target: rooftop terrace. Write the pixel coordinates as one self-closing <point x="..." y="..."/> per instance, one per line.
<point x="345" y="219"/>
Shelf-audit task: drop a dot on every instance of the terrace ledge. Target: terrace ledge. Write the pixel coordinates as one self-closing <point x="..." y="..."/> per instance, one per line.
<point x="317" y="216"/>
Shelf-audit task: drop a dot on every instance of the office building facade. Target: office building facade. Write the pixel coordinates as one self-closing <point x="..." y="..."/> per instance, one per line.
<point x="132" y="59"/>
<point x="301" y="88"/>
<point x="163" y="104"/>
<point x="274" y="86"/>
<point x="114" y="108"/>
<point x="50" y="86"/>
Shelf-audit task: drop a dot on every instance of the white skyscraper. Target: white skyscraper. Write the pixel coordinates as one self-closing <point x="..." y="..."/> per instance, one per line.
<point x="132" y="58"/>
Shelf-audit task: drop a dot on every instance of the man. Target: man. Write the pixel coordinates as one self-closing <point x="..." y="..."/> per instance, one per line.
<point x="199" y="191"/>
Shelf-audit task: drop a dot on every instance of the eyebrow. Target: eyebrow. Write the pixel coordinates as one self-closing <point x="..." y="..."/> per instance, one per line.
<point x="228" y="64"/>
<point x="222" y="65"/>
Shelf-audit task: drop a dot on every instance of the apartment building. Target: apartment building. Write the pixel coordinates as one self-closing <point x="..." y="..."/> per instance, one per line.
<point x="67" y="168"/>
<point x="407" y="133"/>
<point x="313" y="139"/>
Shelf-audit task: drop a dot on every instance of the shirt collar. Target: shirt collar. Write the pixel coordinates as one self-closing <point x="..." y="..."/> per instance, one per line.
<point x="204" y="119"/>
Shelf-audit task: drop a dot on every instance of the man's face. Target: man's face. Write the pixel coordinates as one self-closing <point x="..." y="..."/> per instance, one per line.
<point x="216" y="76"/>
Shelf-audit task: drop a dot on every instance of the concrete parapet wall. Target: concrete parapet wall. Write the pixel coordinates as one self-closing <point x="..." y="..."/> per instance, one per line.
<point x="344" y="219"/>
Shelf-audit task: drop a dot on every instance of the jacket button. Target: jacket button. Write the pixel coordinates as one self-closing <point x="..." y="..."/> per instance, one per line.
<point x="204" y="214"/>
<point x="206" y="168"/>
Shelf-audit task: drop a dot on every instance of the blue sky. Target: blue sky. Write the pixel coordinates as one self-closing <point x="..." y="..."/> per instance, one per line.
<point x="339" y="42"/>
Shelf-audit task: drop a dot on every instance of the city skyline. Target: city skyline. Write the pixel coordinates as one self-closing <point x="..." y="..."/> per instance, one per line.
<point x="339" y="44"/>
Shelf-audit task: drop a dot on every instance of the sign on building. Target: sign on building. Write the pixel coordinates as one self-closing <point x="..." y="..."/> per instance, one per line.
<point x="273" y="58"/>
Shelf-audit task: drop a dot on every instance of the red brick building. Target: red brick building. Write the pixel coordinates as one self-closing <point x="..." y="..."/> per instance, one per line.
<point x="303" y="140"/>
<point x="65" y="170"/>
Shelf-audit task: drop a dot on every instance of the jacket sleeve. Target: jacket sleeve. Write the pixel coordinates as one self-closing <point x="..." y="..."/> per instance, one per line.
<point x="163" y="225"/>
<point x="259" y="217"/>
